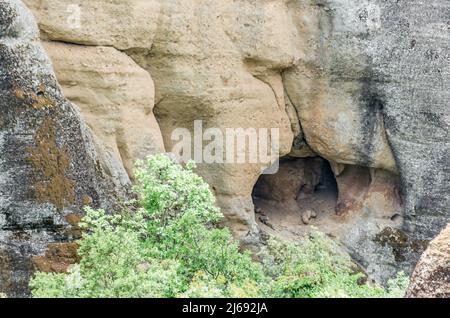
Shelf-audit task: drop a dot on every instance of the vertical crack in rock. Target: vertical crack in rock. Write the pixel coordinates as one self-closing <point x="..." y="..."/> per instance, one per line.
<point x="371" y="117"/>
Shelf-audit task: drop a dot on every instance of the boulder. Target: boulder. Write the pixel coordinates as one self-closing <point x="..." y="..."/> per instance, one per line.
<point x="431" y="277"/>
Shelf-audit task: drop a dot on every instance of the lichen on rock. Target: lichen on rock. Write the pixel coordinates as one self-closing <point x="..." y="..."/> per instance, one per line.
<point x="50" y="164"/>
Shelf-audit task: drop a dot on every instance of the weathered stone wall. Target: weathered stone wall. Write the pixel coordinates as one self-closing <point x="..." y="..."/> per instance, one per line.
<point x="371" y="90"/>
<point x="363" y="84"/>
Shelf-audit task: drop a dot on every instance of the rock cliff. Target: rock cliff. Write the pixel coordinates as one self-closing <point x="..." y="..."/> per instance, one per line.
<point x="358" y="91"/>
<point x="49" y="167"/>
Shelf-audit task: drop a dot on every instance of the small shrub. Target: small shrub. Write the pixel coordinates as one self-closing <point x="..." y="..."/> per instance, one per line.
<point x="397" y="286"/>
<point x="181" y="215"/>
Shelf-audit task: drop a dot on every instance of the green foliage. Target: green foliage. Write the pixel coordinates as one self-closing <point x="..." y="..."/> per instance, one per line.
<point x="172" y="247"/>
<point x="112" y="263"/>
<point x="181" y="210"/>
<point x="166" y="249"/>
<point x="318" y="268"/>
<point x="203" y="286"/>
<point x="170" y="191"/>
<point x="397" y="286"/>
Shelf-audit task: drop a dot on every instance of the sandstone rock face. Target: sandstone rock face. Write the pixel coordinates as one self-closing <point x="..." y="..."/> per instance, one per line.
<point x="353" y="184"/>
<point x="116" y="98"/>
<point x="48" y="165"/>
<point x="220" y="62"/>
<point x="371" y="204"/>
<point x="431" y="278"/>
<point x="370" y="87"/>
<point x="362" y="84"/>
<point x="330" y="85"/>
<point x="123" y="24"/>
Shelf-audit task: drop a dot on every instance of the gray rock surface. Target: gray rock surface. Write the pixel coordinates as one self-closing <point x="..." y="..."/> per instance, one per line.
<point x="48" y="166"/>
<point x="411" y="76"/>
<point x="409" y="65"/>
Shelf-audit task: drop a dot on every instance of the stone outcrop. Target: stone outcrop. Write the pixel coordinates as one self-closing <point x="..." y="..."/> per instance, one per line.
<point x="330" y="85"/>
<point x="431" y="278"/>
<point x="123" y="24"/>
<point x="49" y="167"/>
<point x="220" y="62"/>
<point x="116" y="98"/>
<point x="362" y="84"/>
<point x="370" y="90"/>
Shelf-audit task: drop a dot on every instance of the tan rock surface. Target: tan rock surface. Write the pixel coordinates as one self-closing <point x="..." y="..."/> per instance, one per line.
<point x="116" y="98"/>
<point x="221" y="63"/>
<point x="122" y="24"/>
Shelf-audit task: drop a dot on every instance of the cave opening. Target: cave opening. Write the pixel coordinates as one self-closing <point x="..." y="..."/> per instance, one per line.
<point x="303" y="192"/>
<point x="333" y="198"/>
<point x="327" y="183"/>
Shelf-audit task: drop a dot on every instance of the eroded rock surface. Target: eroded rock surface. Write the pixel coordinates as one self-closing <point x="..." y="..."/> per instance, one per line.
<point x="330" y="86"/>
<point x="220" y="62"/>
<point x="122" y="24"/>
<point x="371" y="90"/>
<point x="362" y="84"/>
<point x="48" y="164"/>
<point x="431" y="278"/>
<point x="116" y="98"/>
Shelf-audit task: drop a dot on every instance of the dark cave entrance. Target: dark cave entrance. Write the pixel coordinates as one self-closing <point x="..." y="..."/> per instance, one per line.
<point x="327" y="182"/>
<point x="303" y="192"/>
